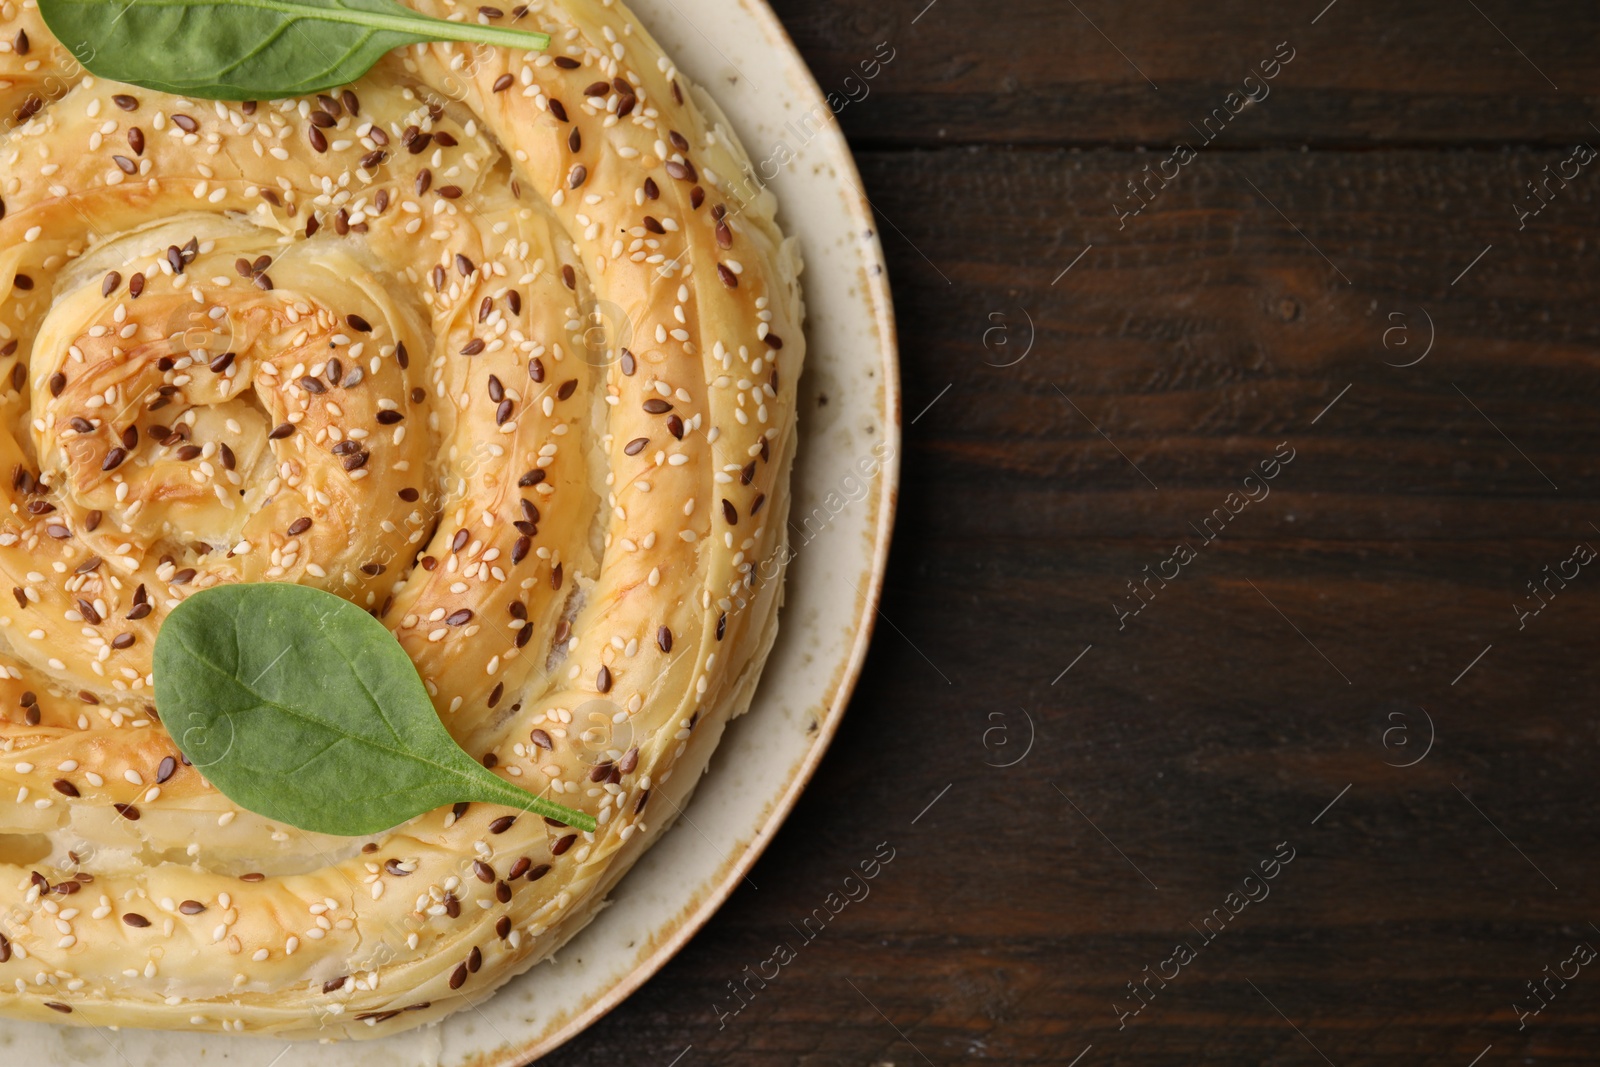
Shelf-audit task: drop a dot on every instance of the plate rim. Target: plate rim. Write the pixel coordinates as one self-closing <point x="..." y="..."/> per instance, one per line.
<point x="879" y="296"/>
<point x="668" y="938"/>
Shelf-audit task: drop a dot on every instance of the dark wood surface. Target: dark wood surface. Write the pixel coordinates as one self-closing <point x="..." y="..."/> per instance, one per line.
<point x="1262" y="700"/>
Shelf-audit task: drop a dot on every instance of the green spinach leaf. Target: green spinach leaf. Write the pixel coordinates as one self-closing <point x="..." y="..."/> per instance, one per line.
<point x="301" y="707"/>
<point x="250" y="49"/>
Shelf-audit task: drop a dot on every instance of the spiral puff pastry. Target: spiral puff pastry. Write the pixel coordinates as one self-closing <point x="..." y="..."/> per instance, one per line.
<point x="481" y="343"/>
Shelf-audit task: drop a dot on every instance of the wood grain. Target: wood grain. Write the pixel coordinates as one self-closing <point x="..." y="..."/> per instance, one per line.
<point x="1264" y="696"/>
<point x="1038" y="72"/>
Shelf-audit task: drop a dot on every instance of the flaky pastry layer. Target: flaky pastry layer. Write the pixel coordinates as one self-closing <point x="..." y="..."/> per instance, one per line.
<point x="486" y="343"/>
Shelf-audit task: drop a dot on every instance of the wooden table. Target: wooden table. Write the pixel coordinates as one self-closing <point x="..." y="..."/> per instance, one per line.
<point x="1341" y="664"/>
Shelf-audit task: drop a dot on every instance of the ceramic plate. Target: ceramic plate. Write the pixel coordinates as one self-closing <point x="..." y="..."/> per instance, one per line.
<point x="846" y="476"/>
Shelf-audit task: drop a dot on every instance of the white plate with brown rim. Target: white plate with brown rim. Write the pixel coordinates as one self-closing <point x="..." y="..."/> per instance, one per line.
<point x="845" y="481"/>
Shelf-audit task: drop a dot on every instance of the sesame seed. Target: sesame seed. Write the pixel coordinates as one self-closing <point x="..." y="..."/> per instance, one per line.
<point x="378" y="422"/>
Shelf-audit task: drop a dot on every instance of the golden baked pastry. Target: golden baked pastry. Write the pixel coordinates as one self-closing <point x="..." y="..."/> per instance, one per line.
<point x="483" y="343"/>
